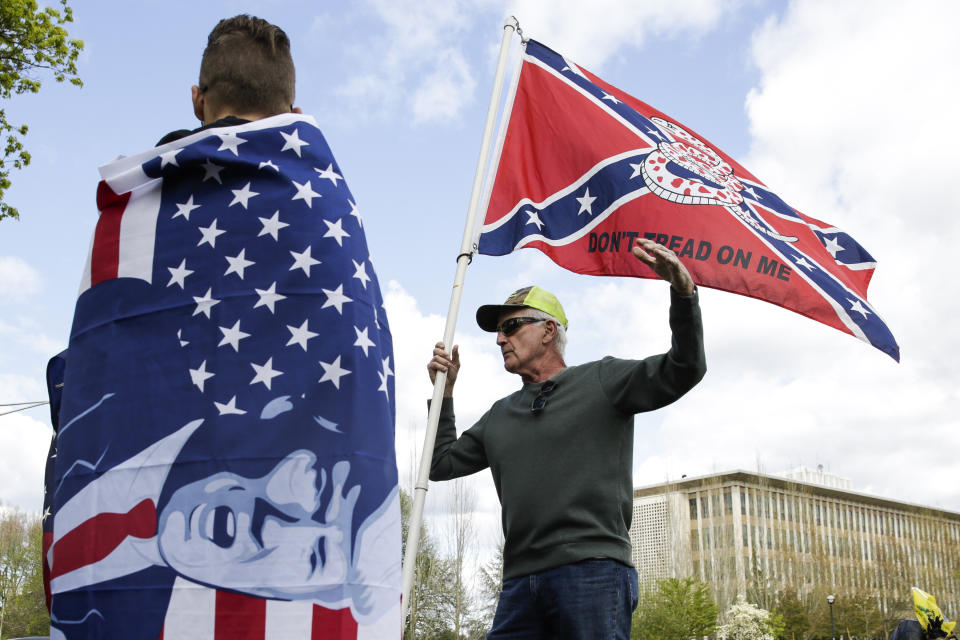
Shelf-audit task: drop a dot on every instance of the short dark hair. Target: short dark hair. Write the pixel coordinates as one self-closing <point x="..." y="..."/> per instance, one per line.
<point x="247" y="66"/>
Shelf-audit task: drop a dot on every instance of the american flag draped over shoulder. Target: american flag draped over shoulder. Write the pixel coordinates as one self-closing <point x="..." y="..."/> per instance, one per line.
<point x="584" y="169"/>
<point x="224" y="465"/>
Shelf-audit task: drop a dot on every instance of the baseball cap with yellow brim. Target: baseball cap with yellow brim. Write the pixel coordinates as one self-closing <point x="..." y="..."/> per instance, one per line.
<point x="532" y="297"/>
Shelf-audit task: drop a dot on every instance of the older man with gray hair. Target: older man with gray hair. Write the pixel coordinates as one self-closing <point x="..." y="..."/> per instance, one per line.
<point x="561" y="453"/>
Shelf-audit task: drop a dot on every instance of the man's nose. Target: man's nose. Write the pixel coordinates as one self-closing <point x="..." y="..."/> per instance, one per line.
<point x="501" y="339"/>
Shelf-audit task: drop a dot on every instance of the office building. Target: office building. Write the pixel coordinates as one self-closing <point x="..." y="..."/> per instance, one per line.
<point x="746" y="533"/>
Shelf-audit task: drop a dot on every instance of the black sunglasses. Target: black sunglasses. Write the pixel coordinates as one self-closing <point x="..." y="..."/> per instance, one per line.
<point x="509" y="326"/>
<point x="541" y="400"/>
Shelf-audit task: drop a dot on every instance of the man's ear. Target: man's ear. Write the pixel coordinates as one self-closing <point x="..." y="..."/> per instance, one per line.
<point x="549" y="331"/>
<point x="296" y="110"/>
<point x="197" y="98"/>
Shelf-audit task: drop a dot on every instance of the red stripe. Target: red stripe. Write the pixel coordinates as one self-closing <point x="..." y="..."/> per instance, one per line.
<point x="105" y="256"/>
<point x="47" y="542"/>
<point x="333" y="624"/>
<point x="239" y="617"/>
<point x="94" y="539"/>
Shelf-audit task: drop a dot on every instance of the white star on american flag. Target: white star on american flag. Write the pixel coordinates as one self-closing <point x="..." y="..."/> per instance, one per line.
<point x="363" y="340"/>
<point x="292" y="142"/>
<point x="230" y="142"/>
<point x="332" y="372"/>
<point x="242" y="196"/>
<point x="329" y="174"/>
<point x="200" y="375"/>
<point x="335" y="231"/>
<point x="265" y="373"/>
<point x="336" y="299"/>
<point x="272" y="226"/>
<point x="268" y="297"/>
<point x="303" y="261"/>
<point x="305" y="192"/>
<point x="238" y="264"/>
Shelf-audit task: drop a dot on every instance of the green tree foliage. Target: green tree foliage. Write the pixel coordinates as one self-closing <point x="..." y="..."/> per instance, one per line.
<point x="31" y="39"/>
<point x="678" y="608"/>
<point x="433" y="599"/>
<point x="24" y="609"/>
<point x="796" y="620"/>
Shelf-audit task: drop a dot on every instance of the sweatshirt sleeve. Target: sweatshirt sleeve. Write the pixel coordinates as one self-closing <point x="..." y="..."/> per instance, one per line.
<point x="454" y="457"/>
<point x="635" y="386"/>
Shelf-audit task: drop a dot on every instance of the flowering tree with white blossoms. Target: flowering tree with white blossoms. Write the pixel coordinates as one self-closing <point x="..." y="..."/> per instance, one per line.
<point x="745" y="621"/>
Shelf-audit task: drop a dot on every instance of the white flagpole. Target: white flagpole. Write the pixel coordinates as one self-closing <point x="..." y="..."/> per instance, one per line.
<point x="466" y="253"/>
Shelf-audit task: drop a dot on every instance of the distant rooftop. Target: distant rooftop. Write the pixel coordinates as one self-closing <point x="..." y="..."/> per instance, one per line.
<point x="817" y="476"/>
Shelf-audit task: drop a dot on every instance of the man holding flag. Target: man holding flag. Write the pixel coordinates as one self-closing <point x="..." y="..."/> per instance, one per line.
<point x="561" y="453"/>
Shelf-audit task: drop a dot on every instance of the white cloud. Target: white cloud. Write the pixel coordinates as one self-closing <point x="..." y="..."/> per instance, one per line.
<point x="25" y="442"/>
<point x="17" y="278"/>
<point x="445" y="90"/>
<point x="592" y="32"/>
<point x="417" y="64"/>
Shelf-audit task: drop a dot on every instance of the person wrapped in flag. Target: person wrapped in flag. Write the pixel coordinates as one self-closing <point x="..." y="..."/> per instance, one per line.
<point x="561" y="454"/>
<point x="223" y="464"/>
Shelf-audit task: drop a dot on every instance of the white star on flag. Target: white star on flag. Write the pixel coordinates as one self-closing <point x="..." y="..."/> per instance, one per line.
<point x="637" y="169"/>
<point x="200" y="375"/>
<point x="859" y="308"/>
<point x="385" y="374"/>
<point x="233" y="336"/>
<point x="305" y="192"/>
<point x="205" y="303"/>
<point x="335" y="231"/>
<point x="272" y="226"/>
<point x="242" y="196"/>
<point x="586" y="202"/>
<point x="355" y="212"/>
<point x="303" y="261"/>
<point x="329" y="174"/>
<point x="170" y="157"/>
<point x="230" y="408"/>
<point x="179" y="274"/>
<point x="209" y="234"/>
<point x="265" y="373"/>
<point x="802" y="261"/>
<point x="336" y="299"/>
<point x="534" y="218"/>
<point x="230" y="142"/>
<point x="238" y="264"/>
<point x="832" y="246"/>
<point x="363" y="340"/>
<point x="184" y="209"/>
<point x="269" y="165"/>
<point x="607" y="96"/>
<point x="293" y="142"/>
<point x="332" y="372"/>
<point x="268" y="297"/>
<point x="360" y="272"/>
<point x="300" y="335"/>
<point x="212" y="170"/>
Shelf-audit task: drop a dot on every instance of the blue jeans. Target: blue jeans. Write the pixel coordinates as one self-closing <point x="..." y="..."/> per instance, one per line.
<point x="588" y="600"/>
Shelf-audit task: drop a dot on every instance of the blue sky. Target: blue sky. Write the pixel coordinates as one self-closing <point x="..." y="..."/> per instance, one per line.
<point x="845" y="109"/>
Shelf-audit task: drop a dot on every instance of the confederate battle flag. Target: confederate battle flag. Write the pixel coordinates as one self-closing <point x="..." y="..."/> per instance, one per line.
<point x="584" y="170"/>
